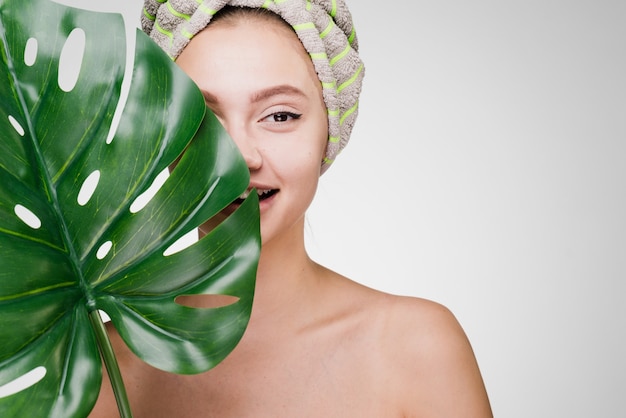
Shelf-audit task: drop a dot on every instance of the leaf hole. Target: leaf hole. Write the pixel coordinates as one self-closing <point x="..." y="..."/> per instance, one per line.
<point x="23" y="382"/>
<point x="30" y="52"/>
<point x="145" y="198"/>
<point x="105" y="316"/>
<point x="71" y="59"/>
<point x="182" y="243"/>
<point x="206" y="301"/>
<point x="88" y="188"/>
<point x="104" y="250"/>
<point x="16" y="125"/>
<point x="28" y="217"/>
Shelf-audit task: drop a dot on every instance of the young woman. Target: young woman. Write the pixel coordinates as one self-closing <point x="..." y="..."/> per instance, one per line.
<point x="318" y="344"/>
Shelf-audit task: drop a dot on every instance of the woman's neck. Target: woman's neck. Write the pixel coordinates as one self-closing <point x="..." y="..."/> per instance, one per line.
<point x="287" y="279"/>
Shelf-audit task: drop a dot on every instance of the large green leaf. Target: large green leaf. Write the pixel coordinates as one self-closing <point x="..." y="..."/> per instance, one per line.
<point x="70" y="244"/>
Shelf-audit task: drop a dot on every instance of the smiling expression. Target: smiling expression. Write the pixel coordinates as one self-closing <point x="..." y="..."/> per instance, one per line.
<point x="259" y="81"/>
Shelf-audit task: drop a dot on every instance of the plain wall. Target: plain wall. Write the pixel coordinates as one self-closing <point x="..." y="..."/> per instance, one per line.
<point x="486" y="172"/>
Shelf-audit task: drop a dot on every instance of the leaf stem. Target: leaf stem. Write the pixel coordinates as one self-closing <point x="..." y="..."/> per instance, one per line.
<point x="110" y="362"/>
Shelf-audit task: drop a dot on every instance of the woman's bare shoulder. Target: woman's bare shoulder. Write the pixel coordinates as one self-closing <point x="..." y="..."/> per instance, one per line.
<point x="398" y="312"/>
<point x="425" y="356"/>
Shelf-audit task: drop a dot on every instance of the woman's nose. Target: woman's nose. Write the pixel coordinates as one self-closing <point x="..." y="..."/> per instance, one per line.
<point x="252" y="156"/>
<point x="248" y="148"/>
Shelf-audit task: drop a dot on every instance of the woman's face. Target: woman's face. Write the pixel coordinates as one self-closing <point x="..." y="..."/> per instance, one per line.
<point x="259" y="81"/>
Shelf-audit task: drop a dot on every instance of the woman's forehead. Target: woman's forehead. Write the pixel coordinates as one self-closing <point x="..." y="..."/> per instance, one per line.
<point x="253" y="54"/>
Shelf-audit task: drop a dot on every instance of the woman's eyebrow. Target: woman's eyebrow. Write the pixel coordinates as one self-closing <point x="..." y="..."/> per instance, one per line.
<point x="260" y="95"/>
<point x="274" y="91"/>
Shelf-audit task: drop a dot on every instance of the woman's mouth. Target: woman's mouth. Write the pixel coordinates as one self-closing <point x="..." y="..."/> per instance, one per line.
<point x="262" y="193"/>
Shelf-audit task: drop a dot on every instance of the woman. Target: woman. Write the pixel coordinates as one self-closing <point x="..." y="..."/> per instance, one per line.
<point x="318" y="344"/>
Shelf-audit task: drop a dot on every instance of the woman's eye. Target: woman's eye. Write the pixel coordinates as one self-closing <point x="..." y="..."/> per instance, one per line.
<point x="282" y="116"/>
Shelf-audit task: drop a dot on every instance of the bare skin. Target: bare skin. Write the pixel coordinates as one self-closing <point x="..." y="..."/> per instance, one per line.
<point x="318" y="344"/>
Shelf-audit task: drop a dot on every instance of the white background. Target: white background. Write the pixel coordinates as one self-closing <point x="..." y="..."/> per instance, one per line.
<point x="486" y="172"/>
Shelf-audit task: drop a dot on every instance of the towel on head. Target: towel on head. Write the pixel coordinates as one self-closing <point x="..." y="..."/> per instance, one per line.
<point x="323" y="26"/>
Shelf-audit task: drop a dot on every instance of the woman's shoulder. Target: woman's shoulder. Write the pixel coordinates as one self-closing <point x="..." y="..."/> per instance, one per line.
<point x="428" y="321"/>
<point x="422" y="335"/>
<point x="398" y="313"/>
<point x="417" y="325"/>
<point x="423" y="354"/>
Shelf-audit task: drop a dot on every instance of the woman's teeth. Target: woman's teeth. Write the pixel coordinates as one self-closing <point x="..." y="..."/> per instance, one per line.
<point x="262" y="193"/>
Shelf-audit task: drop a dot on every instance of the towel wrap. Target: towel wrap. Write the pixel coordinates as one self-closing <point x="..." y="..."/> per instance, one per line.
<point x="323" y="26"/>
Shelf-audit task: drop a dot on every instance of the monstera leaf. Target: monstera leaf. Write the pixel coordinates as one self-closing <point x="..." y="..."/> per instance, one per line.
<point x="76" y="236"/>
